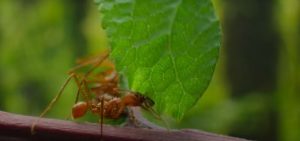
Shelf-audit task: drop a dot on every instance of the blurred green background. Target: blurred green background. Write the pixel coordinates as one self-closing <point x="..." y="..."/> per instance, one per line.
<point x="254" y="94"/>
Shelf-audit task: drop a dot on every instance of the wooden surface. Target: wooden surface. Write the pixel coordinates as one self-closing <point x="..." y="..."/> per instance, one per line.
<point x="15" y="127"/>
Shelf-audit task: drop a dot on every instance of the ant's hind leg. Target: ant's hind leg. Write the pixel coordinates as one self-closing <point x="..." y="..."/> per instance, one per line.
<point x="80" y="106"/>
<point x="54" y="100"/>
<point x="94" y="61"/>
<point x="80" y="90"/>
<point x="70" y="116"/>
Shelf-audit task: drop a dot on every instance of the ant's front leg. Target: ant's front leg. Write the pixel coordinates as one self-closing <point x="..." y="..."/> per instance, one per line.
<point x="136" y="119"/>
<point x="132" y="119"/>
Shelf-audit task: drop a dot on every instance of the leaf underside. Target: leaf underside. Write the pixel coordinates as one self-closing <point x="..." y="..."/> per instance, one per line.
<point x="167" y="49"/>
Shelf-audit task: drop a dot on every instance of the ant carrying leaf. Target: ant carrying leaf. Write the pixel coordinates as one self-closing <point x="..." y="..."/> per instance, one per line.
<point x="100" y="93"/>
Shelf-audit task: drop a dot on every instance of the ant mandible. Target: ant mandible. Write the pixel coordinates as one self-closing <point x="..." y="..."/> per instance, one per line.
<point x="107" y="101"/>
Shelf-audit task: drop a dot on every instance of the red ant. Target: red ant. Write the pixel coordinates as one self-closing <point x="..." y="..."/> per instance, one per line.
<point x="107" y="101"/>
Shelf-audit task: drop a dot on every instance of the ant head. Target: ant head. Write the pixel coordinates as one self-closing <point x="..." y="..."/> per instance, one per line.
<point x="148" y="102"/>
<point x="144" y="100"/>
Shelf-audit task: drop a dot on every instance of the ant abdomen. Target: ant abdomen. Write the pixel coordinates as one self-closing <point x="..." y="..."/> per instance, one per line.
<point x="79" y="109"/>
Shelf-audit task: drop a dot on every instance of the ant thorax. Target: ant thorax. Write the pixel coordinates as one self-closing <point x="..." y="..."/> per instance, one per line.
<point x="112" y="106"/>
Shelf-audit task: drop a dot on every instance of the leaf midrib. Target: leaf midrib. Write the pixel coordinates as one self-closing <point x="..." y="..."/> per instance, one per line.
<point x="172" y="55"/>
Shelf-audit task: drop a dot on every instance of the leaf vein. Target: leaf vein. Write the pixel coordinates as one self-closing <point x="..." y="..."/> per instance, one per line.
<point x="172" y="56"/>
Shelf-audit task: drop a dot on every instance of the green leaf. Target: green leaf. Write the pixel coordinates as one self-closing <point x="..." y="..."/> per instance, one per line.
<point x="167" y="49"/>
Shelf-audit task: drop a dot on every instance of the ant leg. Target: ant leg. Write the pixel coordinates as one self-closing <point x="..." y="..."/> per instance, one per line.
<point x="80" y="108"/>
<point x="95" y="61"/>
<point x="96" y="65"/>
<point x="85" y="93"/>
<point x="54" y="100"/>
<point x="132" y="118"/>
<point x="79" y="89"/>
<point x="83" y="82"/>
<point x="102" y="115"/>
<point x="77" y="94"/>
<point x="86" y="90"/>
<point x="156" y="115"/>
<point x="86" y="63"/>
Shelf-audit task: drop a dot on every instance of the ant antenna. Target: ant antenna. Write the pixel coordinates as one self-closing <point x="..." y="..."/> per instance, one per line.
<point x="156" y="115"/>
